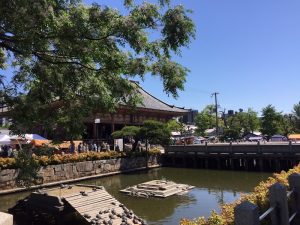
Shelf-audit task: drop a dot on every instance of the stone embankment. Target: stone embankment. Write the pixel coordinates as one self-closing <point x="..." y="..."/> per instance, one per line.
<point x="80" y="170"/>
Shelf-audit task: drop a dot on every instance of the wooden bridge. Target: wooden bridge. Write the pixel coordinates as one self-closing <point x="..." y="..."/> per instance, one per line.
<point x="236" y="156"/>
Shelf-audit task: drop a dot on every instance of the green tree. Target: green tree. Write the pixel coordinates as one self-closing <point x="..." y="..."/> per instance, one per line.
<point x="71" y="59"/>
<point x="29" y="167"/>
<point x="234" y="127"/>
<point x="205" y="120"/>
<point x="245" y="122"/>
<point x="287" y="125"/>
<point x="295" y="117"/>
<point x="230" y="134"/>
<point x="127" y="132"/>
<point x="154" y="132"/>
<point x="271" y="121"/>
<point x="175" y="126"/>
<point x="252" y="121"/>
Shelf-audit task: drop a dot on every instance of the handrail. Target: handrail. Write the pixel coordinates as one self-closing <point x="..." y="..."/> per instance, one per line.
<point x="289" y="193"/>
<point x="266" y="213"/>
<point x="292" y="217"/>
<point x="280" y="211"/>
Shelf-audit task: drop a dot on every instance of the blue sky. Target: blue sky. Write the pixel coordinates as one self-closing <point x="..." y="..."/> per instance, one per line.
<point x="248" y="51"/>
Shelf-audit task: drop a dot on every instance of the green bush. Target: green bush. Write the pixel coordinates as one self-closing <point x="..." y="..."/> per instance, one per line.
<point x="259" y="197"/>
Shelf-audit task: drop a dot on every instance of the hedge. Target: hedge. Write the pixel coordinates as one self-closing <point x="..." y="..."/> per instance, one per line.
<point x="10" y="163"/>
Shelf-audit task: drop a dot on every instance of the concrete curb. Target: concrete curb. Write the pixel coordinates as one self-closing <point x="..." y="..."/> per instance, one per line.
<point x="16" y="190"/>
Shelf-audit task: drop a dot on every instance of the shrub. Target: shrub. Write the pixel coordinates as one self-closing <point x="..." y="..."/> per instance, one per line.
<point x="44" y="160"/>
<point x="7" y="163"/>
<point x="258" y="197"/>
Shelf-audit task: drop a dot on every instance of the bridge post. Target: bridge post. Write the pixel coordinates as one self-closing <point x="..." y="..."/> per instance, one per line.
<point x="219" y="162"/>
<point x="232" y="163"/>
<point x="260" y="159"/>
<point x="174" y="159"/>
<point x="195" y="161"/>
<point x="277" y="165"/>
<point x="246" y="213"/>
<point x="278" y="200"/>
<point x="206" y="163"/>
<point x="246" y="167"/>
<point x="294" y="182"/>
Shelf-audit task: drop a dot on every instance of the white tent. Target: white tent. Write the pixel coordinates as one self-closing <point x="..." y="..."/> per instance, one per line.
<point x="4" y="139"/>
<point x="34" y="137"/>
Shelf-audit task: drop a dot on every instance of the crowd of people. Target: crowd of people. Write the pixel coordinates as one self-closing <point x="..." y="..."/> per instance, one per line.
<point x="8" y="151"/>
<point x="88" y="146"/>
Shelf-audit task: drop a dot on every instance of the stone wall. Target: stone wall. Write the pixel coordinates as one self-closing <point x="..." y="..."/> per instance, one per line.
<point x="69" y="171"/>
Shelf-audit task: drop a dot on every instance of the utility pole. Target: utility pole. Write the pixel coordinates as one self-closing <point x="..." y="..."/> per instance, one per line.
<point x="216" y="108"/>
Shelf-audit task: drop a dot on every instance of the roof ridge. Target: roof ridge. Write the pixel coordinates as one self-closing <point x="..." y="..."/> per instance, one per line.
<point x="172" y="106"/>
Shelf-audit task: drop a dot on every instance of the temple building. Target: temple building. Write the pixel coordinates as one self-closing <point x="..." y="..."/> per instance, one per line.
<point x="100" y="124"/>
<point x="103" y="124"/>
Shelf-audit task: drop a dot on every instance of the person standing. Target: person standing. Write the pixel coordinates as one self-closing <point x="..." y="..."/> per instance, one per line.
<point x="72" y="147"/>
<point x="79" y="148"/>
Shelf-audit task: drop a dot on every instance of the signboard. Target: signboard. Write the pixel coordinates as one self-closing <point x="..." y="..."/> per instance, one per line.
<point x="97" y="120"/>
<point x="118" y="144"/>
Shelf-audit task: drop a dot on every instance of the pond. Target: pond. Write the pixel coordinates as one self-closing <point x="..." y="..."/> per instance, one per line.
<point x="212" y="187"/>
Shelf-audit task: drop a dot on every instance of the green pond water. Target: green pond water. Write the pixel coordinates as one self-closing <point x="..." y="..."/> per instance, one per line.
<point x="212" y="187"/>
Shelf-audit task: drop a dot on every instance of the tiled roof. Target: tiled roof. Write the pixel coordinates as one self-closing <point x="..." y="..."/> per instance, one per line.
<point x="151" y="102"/>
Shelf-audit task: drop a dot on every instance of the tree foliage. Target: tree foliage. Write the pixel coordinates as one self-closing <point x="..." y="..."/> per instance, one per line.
<point x="243" y="122"/>
<point x="205" y="120"/>
<point x="154" y="132"/>
<point x="295" y="117"/>
<point x="28" y="167"/>
<point x="271" y="121"/>
<point x="70" y="59"/>
<point x="174" y="125"/>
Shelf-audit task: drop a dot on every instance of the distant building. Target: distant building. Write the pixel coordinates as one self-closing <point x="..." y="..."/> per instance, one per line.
<point x="190" y="116"/>
<point x="230" y="112"/>
<point x="4" y="121"/>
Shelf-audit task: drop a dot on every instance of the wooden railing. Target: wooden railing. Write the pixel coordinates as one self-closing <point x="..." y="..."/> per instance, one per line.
<point x="234" y="148"/>
<point x="284" y="206"/>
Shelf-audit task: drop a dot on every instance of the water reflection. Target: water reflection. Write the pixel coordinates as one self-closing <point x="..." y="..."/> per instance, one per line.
<point x="211" y="188"/>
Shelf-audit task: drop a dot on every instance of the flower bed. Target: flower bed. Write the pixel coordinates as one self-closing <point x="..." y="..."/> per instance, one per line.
<point x="259" y="197"/>
<point x="10" y="163"/>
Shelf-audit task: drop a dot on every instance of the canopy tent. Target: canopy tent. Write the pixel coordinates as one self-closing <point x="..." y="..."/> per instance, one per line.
<point x="294" y="136"/>
<point x="258" y="138"/>
<point x="278" y="138"/>
<point x="38" y="143"/>
<point x="34" y="137"/>
<point x="4" y="139"/>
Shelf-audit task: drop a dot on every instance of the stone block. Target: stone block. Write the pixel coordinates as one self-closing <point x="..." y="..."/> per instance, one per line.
<point x="57" y="168"/>
<point x="107" y="168"/>
<point x="85" y="166"/>
<point x="6" y="219"/>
